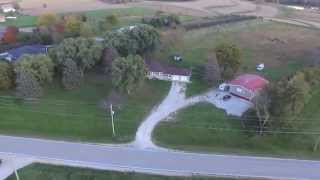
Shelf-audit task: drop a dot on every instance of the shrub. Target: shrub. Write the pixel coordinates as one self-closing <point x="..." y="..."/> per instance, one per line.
<point x="71" y="75"/>
<point x="6" y="75"/>
<point x="27" y="85"/>
<point x="162" y="20"/>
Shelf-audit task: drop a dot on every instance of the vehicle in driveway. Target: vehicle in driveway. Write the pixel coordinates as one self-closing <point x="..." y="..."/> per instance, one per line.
<point x="226" y="97"/>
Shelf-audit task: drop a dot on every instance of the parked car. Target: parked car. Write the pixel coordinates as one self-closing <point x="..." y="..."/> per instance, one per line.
<point x="224" y="87"/>
<point x="226" y="97"/>
<point x="177" y="58"/>
<point x="260" y="67"/>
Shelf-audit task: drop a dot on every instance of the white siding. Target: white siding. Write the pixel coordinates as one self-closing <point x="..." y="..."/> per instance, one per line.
<point x="168" y="77"/>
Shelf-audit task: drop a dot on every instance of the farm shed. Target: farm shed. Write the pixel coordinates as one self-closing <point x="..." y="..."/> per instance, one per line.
<point x="247" y="86"/>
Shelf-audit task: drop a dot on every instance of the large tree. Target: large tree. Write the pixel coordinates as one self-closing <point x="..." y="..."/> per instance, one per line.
<point x="84" y="51"/>
<point x="72" y="25"/>
<point x="228" y="56"/>
<point x="139" y="39"/>
<point x="261" y="104"/>
<point x="289" y="97"/>
<point x="6" y="75"/>
<point x="122" y="42"/>
<point x="47" y="20"/>
<point x="109" y="55"/>
<point x="71" y="75"/>
<point x="40" y="67"/>
<point x="10" y="35"/>
<point x="128" y="73"/>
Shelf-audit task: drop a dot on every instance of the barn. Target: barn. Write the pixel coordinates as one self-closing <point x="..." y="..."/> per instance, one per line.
<point x="156" y="70"/>
<point x="247" y="86"/>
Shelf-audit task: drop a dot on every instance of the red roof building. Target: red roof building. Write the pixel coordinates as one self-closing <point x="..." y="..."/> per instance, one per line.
<point x="247" y="85"/>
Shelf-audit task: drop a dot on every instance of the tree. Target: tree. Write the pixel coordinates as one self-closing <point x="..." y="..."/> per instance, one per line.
<point x="71" y="75"/>
<point x="40" y="67"/>
<point x="139" y="39"/>
<point x="86" y="30"/>
<point x="72" y="26"/>
<point x="261" y="104"/>
<point x="27" y="85"/>
<point x="10" y="35"/>
<point x="86" y="52"/>
<point x="6" y="75"/>
<point x="289" y="96"/>
<point x="109" y="55"/>
<point x="212" y="70"/>
<point x="128" y="73"/>
<point x="147" y="38"/>
<point x="47" y="20"/>
<point x="228" y="56"/>
<point x="121" y="42"/>
<point x="112" y="20"/>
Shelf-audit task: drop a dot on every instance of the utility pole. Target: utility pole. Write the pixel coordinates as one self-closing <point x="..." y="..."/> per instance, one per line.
<point x="112" y="122"/>
<point x="15" y="170"/>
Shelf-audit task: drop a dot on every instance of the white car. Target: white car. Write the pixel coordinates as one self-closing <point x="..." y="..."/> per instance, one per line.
<point x="223" y="87"/>
<point x="260" y="67"/>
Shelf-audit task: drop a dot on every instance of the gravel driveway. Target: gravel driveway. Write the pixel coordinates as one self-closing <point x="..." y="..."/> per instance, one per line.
<point x="174" y="101"/>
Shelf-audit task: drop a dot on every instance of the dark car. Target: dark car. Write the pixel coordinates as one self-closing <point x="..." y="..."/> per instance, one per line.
<point x="226" y="97"/>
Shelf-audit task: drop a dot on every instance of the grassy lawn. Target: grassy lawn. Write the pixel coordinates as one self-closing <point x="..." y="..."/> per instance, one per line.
<point x="126" y="16"/>
<point x="281" y="47"/>
<point x="78" y="114"/>
<point x="21" y="21"/>
<point x="48" y="172"/>
<point x="202" y="127"/>
<point x="123" y="13"/>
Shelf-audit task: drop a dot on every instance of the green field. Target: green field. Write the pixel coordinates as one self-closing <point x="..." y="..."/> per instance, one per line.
<point x="126" y="15"/>
<point x="79" y="114"/>
<point x="281" y="47"/>
<point x="47" y="172"/>
<point x="202" y="127"/>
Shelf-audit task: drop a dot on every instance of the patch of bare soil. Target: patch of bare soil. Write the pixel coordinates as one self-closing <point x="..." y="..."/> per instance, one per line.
<point x="36" y="7"/>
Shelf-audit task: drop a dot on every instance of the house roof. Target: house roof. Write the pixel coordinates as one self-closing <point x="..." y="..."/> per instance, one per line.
<point x="251" y="82"/>
<point x="28" y="49"/>
<point x="156" y="66"/>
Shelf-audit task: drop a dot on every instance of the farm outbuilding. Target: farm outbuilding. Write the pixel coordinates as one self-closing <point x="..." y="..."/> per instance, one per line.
<point x="247" y="86"/>
<point x="156" y="70"/>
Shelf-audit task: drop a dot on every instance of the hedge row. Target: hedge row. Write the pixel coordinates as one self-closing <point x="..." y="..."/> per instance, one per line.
<point x="216" y="21"/>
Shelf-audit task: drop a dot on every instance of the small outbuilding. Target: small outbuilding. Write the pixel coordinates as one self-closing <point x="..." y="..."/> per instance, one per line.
<point x="157" y="70"/>
<point x="247" y="86"/>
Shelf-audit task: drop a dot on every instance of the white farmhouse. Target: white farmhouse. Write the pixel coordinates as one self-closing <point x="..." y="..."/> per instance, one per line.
<point x="159" y="71"/>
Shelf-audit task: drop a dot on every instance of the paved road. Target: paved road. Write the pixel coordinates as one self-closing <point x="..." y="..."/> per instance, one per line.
<point x="158" y="162"/>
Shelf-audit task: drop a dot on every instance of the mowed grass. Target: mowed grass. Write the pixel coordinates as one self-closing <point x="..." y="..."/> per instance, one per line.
<point x="202" y="127"/>
<point x="127" y="16"/>
<point x="79" y="114"/>
<point x="283" y="48"/>
<point x="48" y="172"/>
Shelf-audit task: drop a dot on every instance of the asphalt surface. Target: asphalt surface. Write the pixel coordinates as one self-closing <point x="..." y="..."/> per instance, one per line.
<point x="125" y="158"/>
